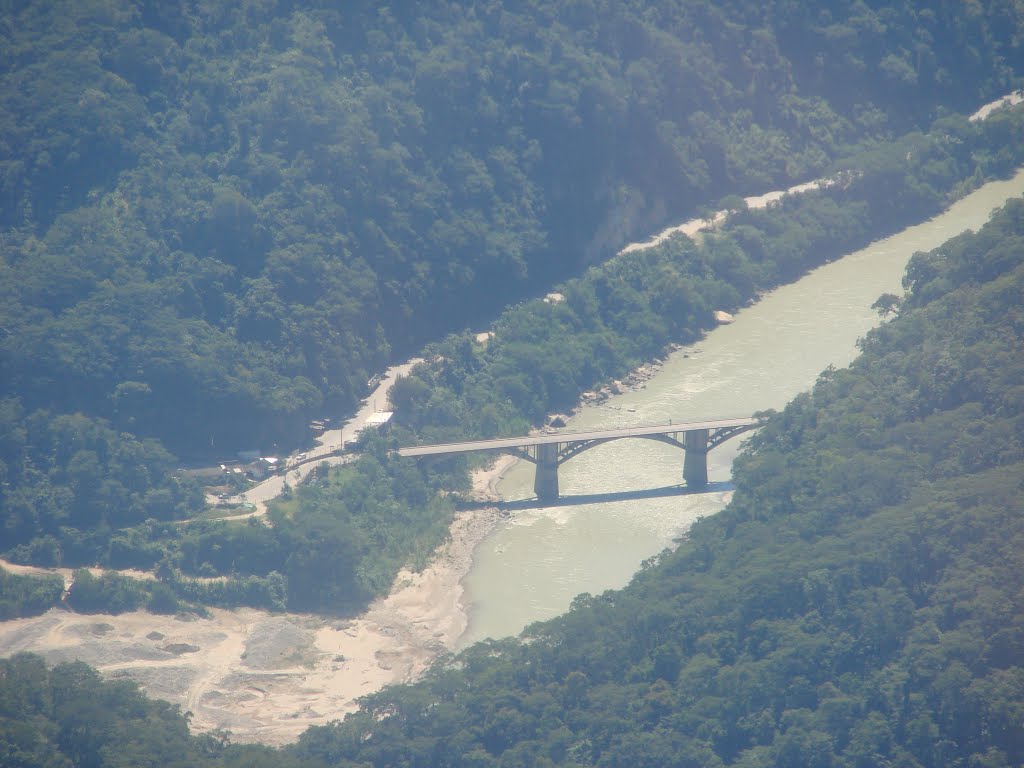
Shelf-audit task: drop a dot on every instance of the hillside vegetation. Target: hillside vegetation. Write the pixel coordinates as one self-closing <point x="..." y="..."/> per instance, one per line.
<point x="856" y="605"/>
<point x="219" y="218"/>
<point x="336" y="542"/>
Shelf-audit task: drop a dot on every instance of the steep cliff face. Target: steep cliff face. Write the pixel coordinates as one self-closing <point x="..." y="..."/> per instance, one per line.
<point x="631" y="214"/>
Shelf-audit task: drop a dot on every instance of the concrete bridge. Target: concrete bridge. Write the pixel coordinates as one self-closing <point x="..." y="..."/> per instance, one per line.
<point x="548" y="451"/>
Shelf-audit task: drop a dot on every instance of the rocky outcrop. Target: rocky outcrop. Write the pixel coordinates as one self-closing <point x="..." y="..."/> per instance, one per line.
<point x="722" y="318"/>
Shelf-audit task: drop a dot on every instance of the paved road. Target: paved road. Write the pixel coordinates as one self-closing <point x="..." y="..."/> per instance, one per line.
<point x="328" y="449"/>
<point x="566" y="437"/>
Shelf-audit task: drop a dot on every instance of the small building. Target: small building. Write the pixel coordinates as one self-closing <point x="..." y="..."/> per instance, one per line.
<point x="205" y="473"/>
<point x="379" y="420"/>
<point x="376" y="422"/>
<point x="264" y="467"/>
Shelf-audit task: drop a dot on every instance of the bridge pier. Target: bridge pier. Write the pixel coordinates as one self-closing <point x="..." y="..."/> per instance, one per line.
<point x="695" y="462"/>
<point x="547" y="451"/>
<point x="545" y="481"/>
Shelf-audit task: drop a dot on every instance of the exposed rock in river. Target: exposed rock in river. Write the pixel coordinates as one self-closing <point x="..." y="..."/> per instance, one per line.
<point x="723" y="318"/>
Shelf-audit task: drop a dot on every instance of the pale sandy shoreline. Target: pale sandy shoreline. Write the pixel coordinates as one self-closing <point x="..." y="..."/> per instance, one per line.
<point x="267" y="677"/>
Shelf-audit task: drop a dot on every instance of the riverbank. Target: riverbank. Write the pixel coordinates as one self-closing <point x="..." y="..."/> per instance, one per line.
<point x="694" y="226"/>
<point x="267" y="677"/>
<point x="533" y="568"/>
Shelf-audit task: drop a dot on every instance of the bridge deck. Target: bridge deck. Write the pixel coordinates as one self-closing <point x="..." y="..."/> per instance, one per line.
<point x="570" y="437"/>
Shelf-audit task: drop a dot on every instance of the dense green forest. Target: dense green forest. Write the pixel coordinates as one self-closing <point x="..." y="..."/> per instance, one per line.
<point x="337" y="541"/>
<point x="217" y="219"/>
<point x="629" y="309"/>
<point x="857" y="604"/>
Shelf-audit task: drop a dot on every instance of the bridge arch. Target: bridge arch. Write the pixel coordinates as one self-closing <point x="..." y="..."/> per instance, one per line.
<point x="549" y="451"/>
<point x="696" y="444"/>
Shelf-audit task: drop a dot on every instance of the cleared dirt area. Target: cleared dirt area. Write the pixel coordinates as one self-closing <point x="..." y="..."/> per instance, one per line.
<point x="267" y="677"/>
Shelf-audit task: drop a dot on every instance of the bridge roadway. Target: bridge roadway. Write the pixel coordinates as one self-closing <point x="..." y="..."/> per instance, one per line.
<point x="549" y="450"/>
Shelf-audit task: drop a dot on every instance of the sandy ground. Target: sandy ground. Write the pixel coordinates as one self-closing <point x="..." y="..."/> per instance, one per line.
<point x="267" y="677"/>
<point x="1009" y="100"/>
<point x="693" y="226"/>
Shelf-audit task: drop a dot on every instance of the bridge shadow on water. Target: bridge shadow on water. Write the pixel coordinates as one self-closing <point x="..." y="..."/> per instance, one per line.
<point x="595" y="498"/>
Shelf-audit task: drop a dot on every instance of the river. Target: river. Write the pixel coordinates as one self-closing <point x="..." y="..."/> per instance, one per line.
<point x="267" y="677"/>
<point x="531" y="567"/>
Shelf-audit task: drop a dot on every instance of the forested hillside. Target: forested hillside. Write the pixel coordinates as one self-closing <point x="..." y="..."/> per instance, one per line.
<point x="219" y="218"/>
<point x="856" y="605"/>
<point x="335" y="542"/>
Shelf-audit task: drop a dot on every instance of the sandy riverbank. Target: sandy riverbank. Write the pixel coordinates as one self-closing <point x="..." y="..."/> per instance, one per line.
<point x="693" y="226"/>
<point x="267" y="677"/>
